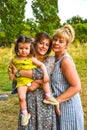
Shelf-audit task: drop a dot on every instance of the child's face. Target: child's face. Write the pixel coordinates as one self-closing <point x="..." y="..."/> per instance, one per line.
<point x="24" y="49"/>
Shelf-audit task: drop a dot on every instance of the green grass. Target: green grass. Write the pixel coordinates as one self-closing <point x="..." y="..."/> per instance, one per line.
<point x="5" y="83"/>
<point x="6" y="55"/>
<point x="9" y="108"/>
<point x="79" y="55"/>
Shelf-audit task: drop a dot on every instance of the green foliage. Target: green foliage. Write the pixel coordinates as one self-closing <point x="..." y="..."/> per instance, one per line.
<point x="30" y="28"/>
<point x="81" y="32"/>
<point x="45" y="12"/>
<point x="1" y="29"/>
<point x="12" y="16"/>
<point x="75" y="20"/>
<point x="12" y="22"/>
<point x="80" y="27"/>
<point x="2" y="39"/>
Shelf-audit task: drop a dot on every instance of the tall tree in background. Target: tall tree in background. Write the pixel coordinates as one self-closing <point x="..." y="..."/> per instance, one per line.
<point x="75" y="20"/>
<point x="30" y="27"/>
<point x="46" y="14"/>
<point x="12" y="16"/>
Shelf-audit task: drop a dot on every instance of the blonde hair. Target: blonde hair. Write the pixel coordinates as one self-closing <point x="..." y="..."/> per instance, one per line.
<point x="66" y="32"/>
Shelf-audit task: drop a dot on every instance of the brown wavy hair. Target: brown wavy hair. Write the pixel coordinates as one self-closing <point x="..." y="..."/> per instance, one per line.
<point x="39" y="37"/>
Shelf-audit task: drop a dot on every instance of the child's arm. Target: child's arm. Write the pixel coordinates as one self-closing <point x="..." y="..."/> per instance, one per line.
<point x="42" y="66"/>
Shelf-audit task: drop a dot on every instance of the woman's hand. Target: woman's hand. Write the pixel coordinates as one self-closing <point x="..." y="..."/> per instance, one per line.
<point x="14" y="69"/>
<point x="57" y="109"/>
<point x="11" y="76"/>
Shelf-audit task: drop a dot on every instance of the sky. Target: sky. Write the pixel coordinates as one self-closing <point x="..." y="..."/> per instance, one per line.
<point x="67" y="9"/>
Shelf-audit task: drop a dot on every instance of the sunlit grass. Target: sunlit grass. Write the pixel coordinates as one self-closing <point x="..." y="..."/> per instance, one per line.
<point x="9" y="108"/>
<point x="6" y="55"/>
<point x="9" y="114"/>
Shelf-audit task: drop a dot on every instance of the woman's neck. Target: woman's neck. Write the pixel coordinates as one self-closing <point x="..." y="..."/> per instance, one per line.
<point x="59" y="55"/>
<point x="40" y="57"/>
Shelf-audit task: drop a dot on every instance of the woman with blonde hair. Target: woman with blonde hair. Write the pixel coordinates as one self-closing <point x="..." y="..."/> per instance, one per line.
<point x="65" y="82"/>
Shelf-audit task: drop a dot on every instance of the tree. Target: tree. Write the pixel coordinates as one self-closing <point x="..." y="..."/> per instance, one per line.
<point x="85" y="20"/>
<point x="12" y="16"/>
<point x="80" y="27"/>
<point x="30" y="27"/>
<point x="46" y="14"/>
<point x="75" y="20"/>
<point x="81" y="32"/>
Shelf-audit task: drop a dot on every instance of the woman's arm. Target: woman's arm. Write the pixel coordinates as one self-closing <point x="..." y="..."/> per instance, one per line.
<point x="36" y="73"/>
<point x="10" y="73"/>
<point x="11" y="76"/>
<point x="25" y="73"/>
<point x="69" y="70"/>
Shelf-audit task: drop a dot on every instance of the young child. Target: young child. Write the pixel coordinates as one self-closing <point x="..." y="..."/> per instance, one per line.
<point x="25" y="60"/>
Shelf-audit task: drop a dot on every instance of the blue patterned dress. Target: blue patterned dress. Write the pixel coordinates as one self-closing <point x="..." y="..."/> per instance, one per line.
<point x="71" y="117"/>
<point x="43" y="116"/>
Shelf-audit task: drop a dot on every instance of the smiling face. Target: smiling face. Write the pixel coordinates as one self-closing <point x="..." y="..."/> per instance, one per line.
<point x="24" y="49"/>
<point x="59" y="44"/>
<point x="42" y="46"/>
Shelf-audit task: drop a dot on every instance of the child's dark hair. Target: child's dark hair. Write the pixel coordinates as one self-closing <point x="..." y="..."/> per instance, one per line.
<point x="24" y="39"/>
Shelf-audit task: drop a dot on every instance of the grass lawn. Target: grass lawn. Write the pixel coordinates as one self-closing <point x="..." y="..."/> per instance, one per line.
<point x="9" y="108"/>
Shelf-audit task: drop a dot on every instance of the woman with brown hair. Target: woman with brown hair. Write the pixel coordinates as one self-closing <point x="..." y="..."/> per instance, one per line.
<point x="42" y="115"/>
